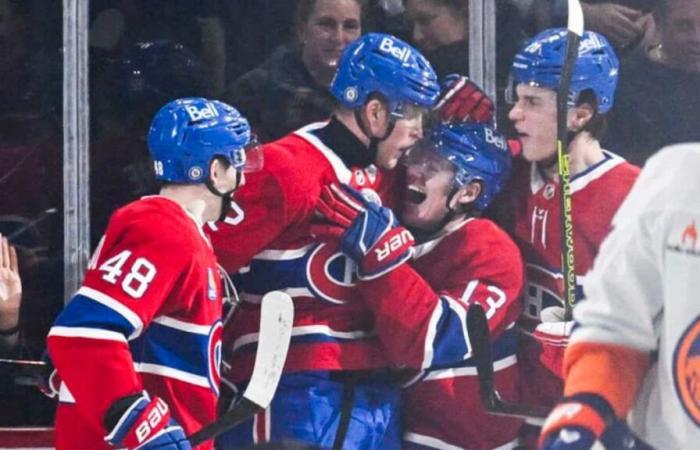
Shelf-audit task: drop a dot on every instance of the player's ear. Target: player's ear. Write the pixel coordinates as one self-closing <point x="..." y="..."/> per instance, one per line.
<point x="579" y="116"/>
<point x="217" y="168"/>
<point x="466" y="195"/>
<point x="377" y="116"/>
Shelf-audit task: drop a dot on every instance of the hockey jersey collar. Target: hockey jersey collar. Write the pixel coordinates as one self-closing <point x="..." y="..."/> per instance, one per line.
<point x="346" y="145"/>
<point x="428" y="246"/>
<point x="580" y="180"/>
<point x="199" y="225"/>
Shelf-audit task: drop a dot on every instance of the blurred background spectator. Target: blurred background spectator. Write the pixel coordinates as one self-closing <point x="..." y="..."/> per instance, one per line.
<point x="659" y="90"/>
<point x="27" y="308"/>
<point x="440" y="29"/>
<point x="290" y="88"/>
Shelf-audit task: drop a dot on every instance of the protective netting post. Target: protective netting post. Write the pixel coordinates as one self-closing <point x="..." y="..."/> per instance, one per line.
<point x="482" y="44"/>
<point x="76" y="137"/>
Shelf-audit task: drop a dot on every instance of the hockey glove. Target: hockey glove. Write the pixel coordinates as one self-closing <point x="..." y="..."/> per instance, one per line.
<point x="580" y="421"/>
<point x="369" y="234"/>
<point x="553" y="334"/>
<point x="462" y="100"/>
<point x="140" y="422"/>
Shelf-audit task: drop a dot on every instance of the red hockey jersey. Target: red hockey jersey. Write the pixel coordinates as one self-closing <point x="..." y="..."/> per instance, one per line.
<point x="421" y="315"/>
<point x="332" y="329"/>
<point x="146" y="318"/>
<point x="596" y="195"/>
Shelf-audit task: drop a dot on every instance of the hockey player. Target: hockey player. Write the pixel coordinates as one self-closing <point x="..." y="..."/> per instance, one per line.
<point x="383" y="87"/>
<point x="600" y="181"/>
<point x="420" y="308"/>
<point x="637" y="345"/>
<point x="138" y="345"/>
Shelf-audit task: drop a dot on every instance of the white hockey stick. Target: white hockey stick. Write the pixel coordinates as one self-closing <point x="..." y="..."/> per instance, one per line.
<point x="276" y="317"/>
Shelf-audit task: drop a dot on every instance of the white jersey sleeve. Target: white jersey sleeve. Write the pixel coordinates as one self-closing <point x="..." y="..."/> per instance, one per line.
<point x="643" y="293"/>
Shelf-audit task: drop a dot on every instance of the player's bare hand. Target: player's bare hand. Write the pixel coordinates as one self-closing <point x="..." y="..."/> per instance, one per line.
<point x="620" y="24"/>
<point x="10" y="285"/>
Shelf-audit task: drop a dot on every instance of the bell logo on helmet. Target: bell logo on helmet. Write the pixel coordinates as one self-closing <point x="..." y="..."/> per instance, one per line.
<point x="196" y="114"/>
<point x="350" y="94"/>
<point x="195" y="173"/>
<point x="491" y="138"/>
<point x="400" y="53"/>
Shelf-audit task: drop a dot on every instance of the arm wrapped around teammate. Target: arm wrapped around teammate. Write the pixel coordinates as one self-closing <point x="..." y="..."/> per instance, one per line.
<point x="369" y="234"/>
<point x="463" y="100"/>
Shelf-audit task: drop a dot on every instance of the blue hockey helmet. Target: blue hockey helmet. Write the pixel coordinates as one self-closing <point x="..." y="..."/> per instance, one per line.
<point x="476" y="151"/>
<point x="540" y="61"/>
<point x="381" y="63"/>
<point x="187" y="133"/>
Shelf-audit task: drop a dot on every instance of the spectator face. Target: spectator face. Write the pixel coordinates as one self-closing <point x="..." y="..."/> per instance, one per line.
<point x="680" y="35"/>
<point x="405" y="134"/>
<point x="436" y="24"/>
<point x="428" y="185"/>
<point x="534" y="116"/>
<point x="331" y="26"/>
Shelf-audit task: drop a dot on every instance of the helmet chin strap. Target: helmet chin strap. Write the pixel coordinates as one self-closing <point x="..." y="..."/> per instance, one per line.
<point x="374" y="141"/>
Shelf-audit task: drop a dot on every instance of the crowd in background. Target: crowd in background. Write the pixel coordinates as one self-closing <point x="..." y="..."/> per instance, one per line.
<point x="272" y="59"/>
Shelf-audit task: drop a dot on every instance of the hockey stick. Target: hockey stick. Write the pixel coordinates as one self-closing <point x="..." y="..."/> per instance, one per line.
<point x="573" y="37"/>
<point x="478" y="330"/>
<point x="276" y="316"/>
<point x="25" y="372"/>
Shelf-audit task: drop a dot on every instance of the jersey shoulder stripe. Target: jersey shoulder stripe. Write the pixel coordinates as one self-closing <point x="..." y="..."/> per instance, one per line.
<point x="86" y="312"/>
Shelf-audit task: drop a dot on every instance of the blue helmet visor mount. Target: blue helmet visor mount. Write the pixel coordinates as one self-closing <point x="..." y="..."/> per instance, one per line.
<point x="248" y="158"/>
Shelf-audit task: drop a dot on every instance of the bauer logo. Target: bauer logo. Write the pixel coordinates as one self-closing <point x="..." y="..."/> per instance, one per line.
<point x="399" y="52"/>
<point x="207" y="111"/>
<point x="686" y="370"/>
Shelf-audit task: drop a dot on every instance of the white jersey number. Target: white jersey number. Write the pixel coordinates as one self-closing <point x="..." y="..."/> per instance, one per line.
<point x="140" y="273"/>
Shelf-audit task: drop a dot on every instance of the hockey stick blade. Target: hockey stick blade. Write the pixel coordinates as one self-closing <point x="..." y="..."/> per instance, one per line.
<point x="575" y="19"/>
<point x="478" y="329"/>
<point x="276" y="317"/>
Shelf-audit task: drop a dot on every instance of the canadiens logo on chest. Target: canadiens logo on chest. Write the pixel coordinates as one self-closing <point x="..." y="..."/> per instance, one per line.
<point x="330" y="274"/>
<point x="214" y="356"/>
<point x="686" y="370"/>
